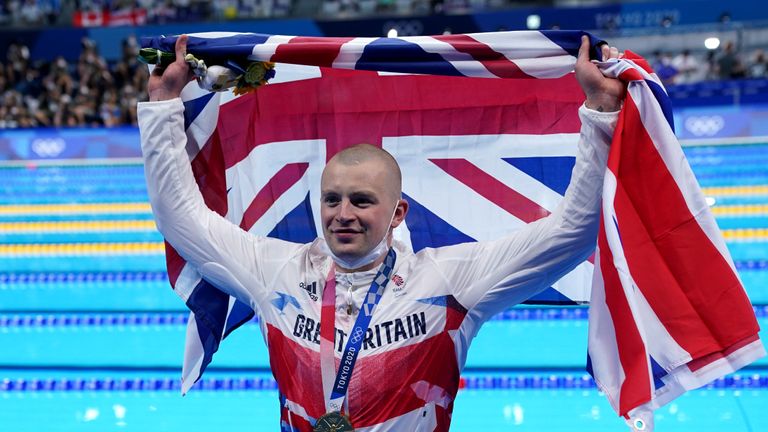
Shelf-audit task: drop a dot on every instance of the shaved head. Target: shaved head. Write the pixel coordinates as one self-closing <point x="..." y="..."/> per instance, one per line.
<point x="366" y="153"/>
<point x="360" y="202"/>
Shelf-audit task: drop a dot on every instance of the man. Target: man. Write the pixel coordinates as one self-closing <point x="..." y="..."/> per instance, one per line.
<point x="398" y="324"/>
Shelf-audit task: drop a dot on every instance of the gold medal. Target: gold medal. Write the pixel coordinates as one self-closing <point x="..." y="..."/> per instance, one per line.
<point x="333" y="422"/>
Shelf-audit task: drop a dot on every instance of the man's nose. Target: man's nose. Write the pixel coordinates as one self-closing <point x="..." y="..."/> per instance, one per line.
<point x="346" y="212"/>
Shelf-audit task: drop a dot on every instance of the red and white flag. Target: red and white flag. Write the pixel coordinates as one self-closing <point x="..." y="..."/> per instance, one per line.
<point x="107" y="18"/>
<point x="667" y="313"/>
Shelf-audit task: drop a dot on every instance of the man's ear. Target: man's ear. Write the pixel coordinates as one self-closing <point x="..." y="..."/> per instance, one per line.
<point x="400" y="212"/>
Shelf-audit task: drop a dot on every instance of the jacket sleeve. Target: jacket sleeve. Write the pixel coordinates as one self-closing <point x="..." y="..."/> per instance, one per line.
<point x="488" y="277"/>
<point x="221" y="251"/>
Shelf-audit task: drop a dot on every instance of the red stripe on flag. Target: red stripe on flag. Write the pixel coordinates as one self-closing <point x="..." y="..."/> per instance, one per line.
<point x="699" y="363"/>
<point x="277" y="185"/>
<point x="639" y="60"/>
<point x="495" y="62"/>
<point x="631" y="75"/>
<point x="208" y="168"/>
<point x="492" y="189"/>
<point x="687" y="282"/>
<point x="368" y="107"/>
<point x="636" y="387"/>
<point x="317" y="51"/>
<point x="174" y="262"/>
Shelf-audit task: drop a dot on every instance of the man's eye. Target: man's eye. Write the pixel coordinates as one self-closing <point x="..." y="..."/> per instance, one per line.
<point x="362" y="202"/>
<point x="331" y="201"/>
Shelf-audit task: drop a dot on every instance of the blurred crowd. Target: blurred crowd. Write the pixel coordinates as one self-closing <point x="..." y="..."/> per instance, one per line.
<point x="352" y="8"/>
<point x="93" y="92"/>
<point x="29" y="12"/>
<point x="36" y="93"/>
<point x="726" y="63"/>
<point x="130" y="12"/>
<point x="93" y="12"/>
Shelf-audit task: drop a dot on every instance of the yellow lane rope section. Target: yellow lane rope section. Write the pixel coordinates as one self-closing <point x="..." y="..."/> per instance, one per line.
<point x="736" y="190"/>
<point x="63" y="249"/>
<point x="60" y="209"/>
<point x="746" y="234"/>
<point x="741" y="210"/>
<point x="77" y="226"/>
<point x="157" y="248"/>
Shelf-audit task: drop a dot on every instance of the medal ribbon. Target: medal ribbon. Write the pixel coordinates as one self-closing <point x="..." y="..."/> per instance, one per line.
<point x="335" y="390"/>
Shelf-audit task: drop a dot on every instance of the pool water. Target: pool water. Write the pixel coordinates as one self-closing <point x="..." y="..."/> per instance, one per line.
<point x="93" y="336"/>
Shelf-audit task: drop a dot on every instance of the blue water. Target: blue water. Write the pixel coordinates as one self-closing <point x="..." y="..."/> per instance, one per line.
<point x="84" y="263"/>
<point x="90" y="330"/>
<point x="741" y="200"/>
<point x="82" y="237"/>
<point x="527" y="344"/>
<point x="65" y="198"/>
<point x="77" y="217"/>
<point x="715" y="410"/>
<point x="157" y="295"/>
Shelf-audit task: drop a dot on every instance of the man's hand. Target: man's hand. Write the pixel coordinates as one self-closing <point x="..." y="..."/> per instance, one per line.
<point x="603" y="93"/>
<point x="166" y="84"/>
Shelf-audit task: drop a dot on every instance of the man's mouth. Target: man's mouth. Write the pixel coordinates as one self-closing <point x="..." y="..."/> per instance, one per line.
<point x="345" y="233"/>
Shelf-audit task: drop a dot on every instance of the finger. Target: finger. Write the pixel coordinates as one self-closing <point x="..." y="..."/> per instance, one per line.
<point x="584" y="50"/>
<point x="614" y="52"/>
<point x="181" y="48"/>
<point x="606" y="52"/>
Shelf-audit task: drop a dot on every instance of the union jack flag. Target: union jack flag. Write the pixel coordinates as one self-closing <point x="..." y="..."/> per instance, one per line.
<point x="480" y="158"/>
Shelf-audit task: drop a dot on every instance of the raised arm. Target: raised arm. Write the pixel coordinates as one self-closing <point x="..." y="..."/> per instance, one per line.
<point x="492" y="276"/>
<point x="603" y="94"/>
<point x="223" y="253"/>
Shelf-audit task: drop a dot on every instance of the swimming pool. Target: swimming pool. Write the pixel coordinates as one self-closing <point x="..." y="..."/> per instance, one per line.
<point x="93" y="335"/>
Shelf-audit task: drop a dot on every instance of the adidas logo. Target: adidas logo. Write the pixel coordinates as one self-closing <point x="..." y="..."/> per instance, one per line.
<point x="311" y="289"/>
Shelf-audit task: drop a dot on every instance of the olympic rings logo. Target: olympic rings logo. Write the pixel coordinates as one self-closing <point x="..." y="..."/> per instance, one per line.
<point x="704" y="125"/>
<point x="48" y="147"/>
<point x="357" y="336"/>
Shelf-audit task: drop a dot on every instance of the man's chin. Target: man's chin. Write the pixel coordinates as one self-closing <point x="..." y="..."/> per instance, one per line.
<point x="345" y="251"/>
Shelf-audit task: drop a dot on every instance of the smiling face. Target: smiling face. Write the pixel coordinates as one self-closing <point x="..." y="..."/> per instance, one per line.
<point x="360" y="189"/>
